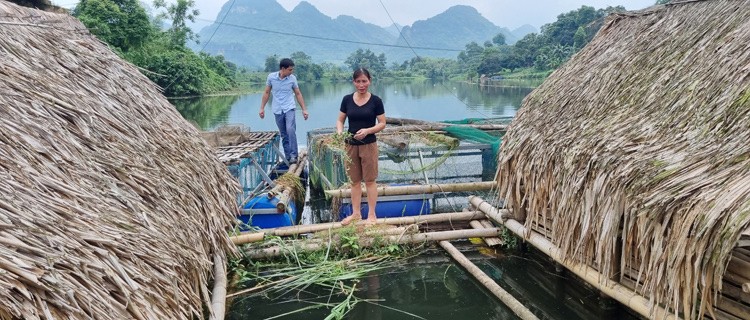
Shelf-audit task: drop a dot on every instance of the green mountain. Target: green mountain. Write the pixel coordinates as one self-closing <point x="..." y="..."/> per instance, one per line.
<point x="449" y="31"/>
<point x="522" y="31"/>
<point x="248" y="31"/>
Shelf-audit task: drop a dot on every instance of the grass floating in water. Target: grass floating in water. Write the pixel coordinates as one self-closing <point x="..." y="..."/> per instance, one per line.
<point x="336" y="270"/>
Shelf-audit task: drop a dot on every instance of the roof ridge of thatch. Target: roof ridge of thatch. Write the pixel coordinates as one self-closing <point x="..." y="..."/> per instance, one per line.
<point x="111" y="204"/>
<point x="642" y="136"/>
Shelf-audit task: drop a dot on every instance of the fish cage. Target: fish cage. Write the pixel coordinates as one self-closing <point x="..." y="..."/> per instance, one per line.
<point x="249" y="156"/>
<point x="413" y="153"/>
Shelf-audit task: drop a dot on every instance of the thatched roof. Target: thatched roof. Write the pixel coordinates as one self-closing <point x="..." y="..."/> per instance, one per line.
<point x="111" y="205"/>
<point x="643" y="136"/>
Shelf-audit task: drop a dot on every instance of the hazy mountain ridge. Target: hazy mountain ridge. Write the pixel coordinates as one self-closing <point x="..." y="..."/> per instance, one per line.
<point x="256" y="29"/>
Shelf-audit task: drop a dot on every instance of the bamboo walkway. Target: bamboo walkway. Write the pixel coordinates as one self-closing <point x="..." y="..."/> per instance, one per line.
<point x="485" y="221"/>
<point x="409" y="230"/>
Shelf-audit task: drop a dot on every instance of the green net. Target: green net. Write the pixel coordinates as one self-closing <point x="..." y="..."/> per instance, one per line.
<point x="411" y="157"/>
<point x="476" y="135"/>
<point x="499" y="120"/>
<point x="457" y="154"/>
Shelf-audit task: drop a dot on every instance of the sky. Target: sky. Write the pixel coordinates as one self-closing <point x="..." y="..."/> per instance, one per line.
<point x="503" y="13"/>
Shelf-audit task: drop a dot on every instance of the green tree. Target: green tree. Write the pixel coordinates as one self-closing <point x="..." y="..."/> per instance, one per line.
<point x="367" y="59"/>
<point x="179" y="14"/>
<point x="580" y="38"/>
<point x="305" y="69"/>
<point x="471" y="58"/>
<point x="433" y="68"/>
<point x="564" y="28"/>
<point x="335" y="72"/>
<point x="491" y="61"/>
<point x="272" y="63"/>
<point x="499" y="39"/>
<point x="122" y="24"/>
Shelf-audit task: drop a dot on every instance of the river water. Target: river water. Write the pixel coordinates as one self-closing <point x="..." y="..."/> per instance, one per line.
<point x="430" y="286"/>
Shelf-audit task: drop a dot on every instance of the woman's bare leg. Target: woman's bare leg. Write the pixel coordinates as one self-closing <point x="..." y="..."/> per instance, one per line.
<point x="372" y="200"/>
<point x="356" y="204"/>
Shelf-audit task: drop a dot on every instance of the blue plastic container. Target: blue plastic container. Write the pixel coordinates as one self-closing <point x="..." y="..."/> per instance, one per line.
<point x="391" y="206"/>
<point x="261" y="212"/>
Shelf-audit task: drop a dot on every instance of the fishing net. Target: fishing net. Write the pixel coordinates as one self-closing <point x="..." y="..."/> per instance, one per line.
<point x="455" y="154"/>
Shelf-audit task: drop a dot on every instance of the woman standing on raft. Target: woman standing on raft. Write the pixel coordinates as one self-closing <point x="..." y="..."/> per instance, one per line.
<point x="362" y="108"/>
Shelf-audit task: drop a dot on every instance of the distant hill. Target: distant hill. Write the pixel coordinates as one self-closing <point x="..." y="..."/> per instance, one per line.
<point x="256" y="29"/>
<point x="522" y="31"/>
<point x="452" y="29"/>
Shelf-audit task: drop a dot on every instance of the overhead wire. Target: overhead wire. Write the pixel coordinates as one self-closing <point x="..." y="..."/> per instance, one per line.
<point x="332" y="39"/>
<point x="401" y="35"/>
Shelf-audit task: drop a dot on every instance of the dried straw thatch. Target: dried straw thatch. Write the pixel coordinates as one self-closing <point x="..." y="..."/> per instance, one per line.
<point x="111" y="205"/>
<point x="635" y="153"/>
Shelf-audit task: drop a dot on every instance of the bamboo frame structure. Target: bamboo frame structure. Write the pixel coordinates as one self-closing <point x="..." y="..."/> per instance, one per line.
<point x="493" y="241"/>
<point x="418" y="189"/>
<point x="254" y="236"/>
<point x="518" y="308"/>
<point x="219" y="292"/>
<point x="413" y="124"/>
<point x="366" y="242"/>
<point x="624" y="295"/>
<point x="286" y="191"/>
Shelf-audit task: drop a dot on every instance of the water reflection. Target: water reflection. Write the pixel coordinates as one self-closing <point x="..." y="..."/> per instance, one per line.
<point x="423" y="100"/>
<point x="206" y="112"/>
<point x="433" y="287"/>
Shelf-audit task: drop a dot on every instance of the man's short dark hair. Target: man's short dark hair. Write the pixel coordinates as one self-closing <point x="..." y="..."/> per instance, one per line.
<point x="286" y="63"/>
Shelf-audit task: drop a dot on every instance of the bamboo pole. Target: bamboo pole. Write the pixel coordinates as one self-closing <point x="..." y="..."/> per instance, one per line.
<point x="739" y="267"/>
<point x="378" y="230"/>
<point x="286" y="194"/>
<point x="247" y="237"/>
<point x="624" y="295"/>
<point x="280" y="188"/>
<point x="414" y="125"/>
<point x="254" y="236"/>
<point x="519" y="309"/>
<point x="418" y="189"/>
<point x="219" y="292"/>
<point x="366" y="242"/>
<point x="734" y="308"/>
<point x="410" y="229"/>
<point x="489" y="241"/>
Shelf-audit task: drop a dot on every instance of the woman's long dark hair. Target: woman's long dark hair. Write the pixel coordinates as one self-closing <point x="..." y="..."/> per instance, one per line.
<point x="360" y="71"/>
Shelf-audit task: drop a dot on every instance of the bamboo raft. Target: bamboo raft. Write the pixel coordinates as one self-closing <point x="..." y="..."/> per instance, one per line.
<point x="444" y="227"/>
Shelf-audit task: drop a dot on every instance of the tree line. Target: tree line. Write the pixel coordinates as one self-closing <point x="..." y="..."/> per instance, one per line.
<point x="141" y="37"/>
<point x="534" y="54"/>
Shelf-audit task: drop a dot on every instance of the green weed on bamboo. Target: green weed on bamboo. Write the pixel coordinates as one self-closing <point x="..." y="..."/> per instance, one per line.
<point x="336" y="269"/>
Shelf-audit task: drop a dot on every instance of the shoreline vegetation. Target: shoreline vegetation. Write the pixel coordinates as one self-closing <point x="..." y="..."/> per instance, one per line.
<point x="163" y="54"/>
<point x="524" y="78"/>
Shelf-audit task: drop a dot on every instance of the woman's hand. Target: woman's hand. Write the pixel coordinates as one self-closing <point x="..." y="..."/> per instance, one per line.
<point x="361" y="134"/>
